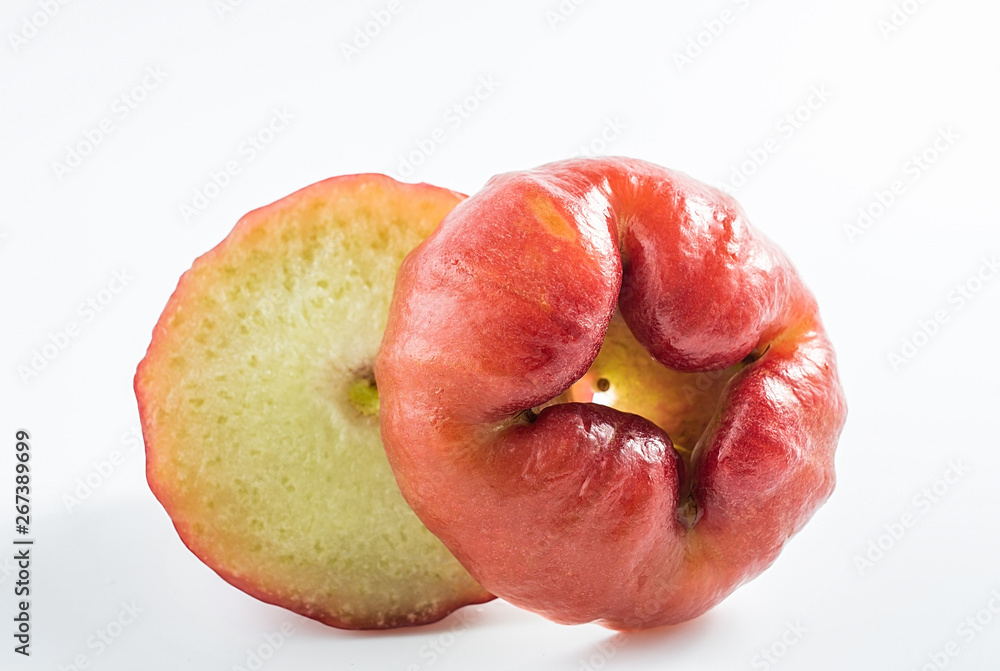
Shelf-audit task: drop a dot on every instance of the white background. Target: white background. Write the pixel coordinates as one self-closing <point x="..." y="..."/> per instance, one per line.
<point x="559" y="80"/>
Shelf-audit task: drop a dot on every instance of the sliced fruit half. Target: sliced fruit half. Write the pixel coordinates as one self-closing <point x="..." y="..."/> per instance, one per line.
<point x="260" y="412"/>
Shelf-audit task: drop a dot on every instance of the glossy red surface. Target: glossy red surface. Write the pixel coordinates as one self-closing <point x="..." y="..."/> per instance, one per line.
<point x="583" y="512"/>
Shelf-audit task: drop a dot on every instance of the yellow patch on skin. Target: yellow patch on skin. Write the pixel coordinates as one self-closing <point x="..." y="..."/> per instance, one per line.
<point x="545" y="211"/>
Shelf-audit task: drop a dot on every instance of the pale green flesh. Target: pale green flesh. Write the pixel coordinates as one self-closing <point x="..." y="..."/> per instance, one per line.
<point x="269" y="429"/>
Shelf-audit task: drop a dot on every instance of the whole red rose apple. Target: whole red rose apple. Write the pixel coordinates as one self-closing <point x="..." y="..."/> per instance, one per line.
<point x="608" y="394"/>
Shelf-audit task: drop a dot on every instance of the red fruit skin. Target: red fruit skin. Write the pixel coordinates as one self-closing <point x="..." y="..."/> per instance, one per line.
<point x="586" y="513"/>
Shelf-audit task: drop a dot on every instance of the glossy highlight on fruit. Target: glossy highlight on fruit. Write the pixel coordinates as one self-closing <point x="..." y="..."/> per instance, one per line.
<point x="260" y="412"/>
<point x="607" y="393"/>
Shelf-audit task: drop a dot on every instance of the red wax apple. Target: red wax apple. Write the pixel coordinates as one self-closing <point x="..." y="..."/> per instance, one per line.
<point x="260" y="413"/>
<point x="608" y="394"/>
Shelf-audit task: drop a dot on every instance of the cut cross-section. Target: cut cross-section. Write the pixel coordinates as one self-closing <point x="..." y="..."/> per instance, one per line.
<point x="260" y="411"/>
